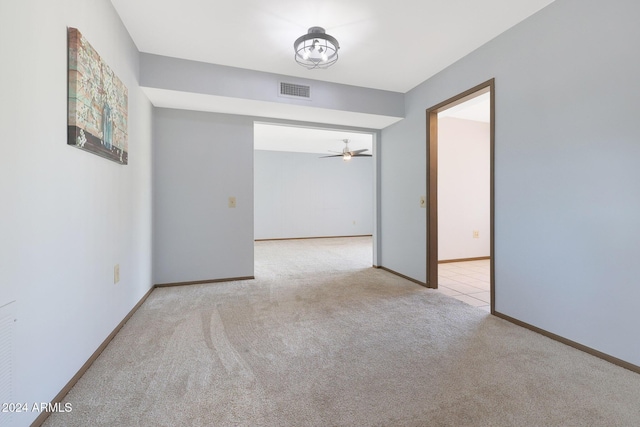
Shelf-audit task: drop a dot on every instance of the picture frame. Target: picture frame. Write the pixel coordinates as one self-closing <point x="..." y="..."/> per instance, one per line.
<point x="97" y="103"/>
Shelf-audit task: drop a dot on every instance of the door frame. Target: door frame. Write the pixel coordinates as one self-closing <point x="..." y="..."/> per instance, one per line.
<point x="432" y="180"/>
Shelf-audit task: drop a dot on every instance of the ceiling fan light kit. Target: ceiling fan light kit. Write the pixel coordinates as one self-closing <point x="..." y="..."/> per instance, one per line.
<point x="316" y="49"/>
<point x="348" y="154"/>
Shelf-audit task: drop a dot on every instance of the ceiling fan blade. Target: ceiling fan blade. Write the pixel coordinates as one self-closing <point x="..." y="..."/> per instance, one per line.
<point x="361" y="155"/>
<point x="356" y="152"/>
<point x="337" y="155"/>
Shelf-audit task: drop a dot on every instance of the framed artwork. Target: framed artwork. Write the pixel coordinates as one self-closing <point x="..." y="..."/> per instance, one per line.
<point x="98" y="103"/>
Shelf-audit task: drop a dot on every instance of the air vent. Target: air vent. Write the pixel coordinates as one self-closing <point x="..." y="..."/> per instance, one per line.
<point x="295" y="91"/>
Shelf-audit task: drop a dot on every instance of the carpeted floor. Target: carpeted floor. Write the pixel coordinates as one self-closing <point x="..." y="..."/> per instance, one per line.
<point x="322" y="339"/>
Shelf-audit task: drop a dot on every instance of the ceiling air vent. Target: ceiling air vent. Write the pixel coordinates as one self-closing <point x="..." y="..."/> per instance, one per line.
<point x="295" y="91"/>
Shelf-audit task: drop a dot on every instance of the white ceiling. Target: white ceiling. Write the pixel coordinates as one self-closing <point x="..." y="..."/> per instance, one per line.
<point x="272" y="137"/>
<point x="391" y="45"/>
<point x="477" y="109"/>
<point x="307" y="140"/>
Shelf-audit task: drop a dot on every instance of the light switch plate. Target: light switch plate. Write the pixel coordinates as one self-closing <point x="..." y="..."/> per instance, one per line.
<point x="232" y="202"/>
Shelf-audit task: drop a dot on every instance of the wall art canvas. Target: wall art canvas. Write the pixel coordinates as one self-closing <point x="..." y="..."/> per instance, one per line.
<point x="98" y="103"/>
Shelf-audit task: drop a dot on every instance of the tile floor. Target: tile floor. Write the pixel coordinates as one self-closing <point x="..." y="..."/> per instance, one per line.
<point x="468" y="281"/>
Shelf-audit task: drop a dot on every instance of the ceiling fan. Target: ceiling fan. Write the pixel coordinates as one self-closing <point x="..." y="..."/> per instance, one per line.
<point x="348" y="154"/>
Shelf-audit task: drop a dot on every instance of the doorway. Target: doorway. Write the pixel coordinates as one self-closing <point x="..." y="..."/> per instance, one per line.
<point x="305" y="188"/>
<point x="485" y="89"/>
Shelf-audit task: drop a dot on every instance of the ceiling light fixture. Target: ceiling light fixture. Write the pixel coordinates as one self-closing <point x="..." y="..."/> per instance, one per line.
<point x="347" y="154"/>
<point x="316" y="49"/>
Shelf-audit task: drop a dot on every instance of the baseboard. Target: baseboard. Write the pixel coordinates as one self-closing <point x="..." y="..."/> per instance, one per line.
<point x="403" y="276"/>
<point x="58" y="398"/>
<point x="307" y="238"/>
<point x="444" y="261"/>
<point x="202" y="282"/>
<point x="44" y="415"/>
<point x="578" y="346"/>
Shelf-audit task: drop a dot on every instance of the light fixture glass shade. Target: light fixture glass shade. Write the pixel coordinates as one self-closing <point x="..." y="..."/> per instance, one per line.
<point x="316" y="49"/>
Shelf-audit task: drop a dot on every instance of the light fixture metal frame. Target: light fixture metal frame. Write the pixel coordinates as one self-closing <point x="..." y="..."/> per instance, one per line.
<point x="307" y="43"/>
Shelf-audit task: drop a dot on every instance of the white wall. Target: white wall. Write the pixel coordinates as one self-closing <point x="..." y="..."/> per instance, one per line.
<point x="464" y="190"/>
<point x="67" y="216"/>
<point x="302" y="195"/>
<point x="199" y="161"/>
<point x="566" y="175"/>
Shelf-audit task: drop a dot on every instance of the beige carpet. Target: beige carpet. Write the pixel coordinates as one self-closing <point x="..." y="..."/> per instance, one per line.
<point x="322" y="339"/>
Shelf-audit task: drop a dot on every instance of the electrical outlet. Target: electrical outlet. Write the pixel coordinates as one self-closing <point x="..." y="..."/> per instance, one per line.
<point x="423" y="202"/>
<point x="476" y="234"/>
<point x="116" y="273"/>
<point x="232" y="202"/>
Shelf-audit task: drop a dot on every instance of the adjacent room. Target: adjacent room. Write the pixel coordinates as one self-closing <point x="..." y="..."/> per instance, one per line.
<point x="304" y="186"/>
<point x="464" y="200"/>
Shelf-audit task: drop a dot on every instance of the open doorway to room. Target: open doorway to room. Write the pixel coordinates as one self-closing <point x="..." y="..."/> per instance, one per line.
<point x="305" y="188"/>
<point x="460" y="253"/>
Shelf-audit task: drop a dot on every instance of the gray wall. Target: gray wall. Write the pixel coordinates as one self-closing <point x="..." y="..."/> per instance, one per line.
<point x="176" y="74"/>
<point x="67" y="216"/>
<point x="302" y="195"/>
<point x="567" y="199"/>
<point x="199" y="161"/>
